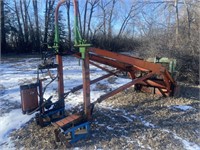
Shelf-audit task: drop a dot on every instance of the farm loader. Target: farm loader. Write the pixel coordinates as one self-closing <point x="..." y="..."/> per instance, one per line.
<point x="154" y="75"/>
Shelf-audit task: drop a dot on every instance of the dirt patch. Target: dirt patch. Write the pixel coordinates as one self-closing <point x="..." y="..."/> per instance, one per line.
<point x="129" y="120"/>
<point x="2" y="89"/>
<point x="7" y="106"/>
<point x="101" y="87"/>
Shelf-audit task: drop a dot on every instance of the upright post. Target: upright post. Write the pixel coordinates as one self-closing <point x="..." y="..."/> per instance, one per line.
<point x="79" y="42"/>
<point x="59" y="58"/>
<point x="86" y="83"/>
<point x="60" y="80"/>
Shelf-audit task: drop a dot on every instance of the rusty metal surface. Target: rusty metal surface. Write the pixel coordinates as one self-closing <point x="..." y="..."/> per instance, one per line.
<point x="29" y="97"/>
<point x="63" y="122"/>
<point x="166" y="85"/>
<point x="103" y="68"/>
<point x="105" y="96"/>
<point x="152" y="76"/>
<point x="86" y="85"/>
<point x="156" y="68"/>
<point x="60" y="79"/>
<point x="132" y="65"/>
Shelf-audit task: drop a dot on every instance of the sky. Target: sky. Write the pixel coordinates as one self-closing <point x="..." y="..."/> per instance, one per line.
<point x="155" y="14"/>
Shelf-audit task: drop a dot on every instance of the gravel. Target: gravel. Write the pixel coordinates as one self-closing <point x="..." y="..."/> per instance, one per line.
<point x="130" y="120"/>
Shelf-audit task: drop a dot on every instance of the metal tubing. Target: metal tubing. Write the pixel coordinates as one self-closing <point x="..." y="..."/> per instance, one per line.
<point x="41" y="97"/>
<point x="91" y="82"/>
<point x="60" y="79"/>
<point x="109" y="62"/>
<point x="156" y="84"/>
<point x="59" y="57"/>
<point x="86" y="85"/>
<point x="105" y="96"/>
<point x="56" y="38"/>
<point x="112" y="63"/>
<point x="104" y="69"/>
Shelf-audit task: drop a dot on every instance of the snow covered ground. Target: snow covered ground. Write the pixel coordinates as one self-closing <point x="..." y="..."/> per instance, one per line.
<point x="16" y="72"/>
<point x="20" y="71"/>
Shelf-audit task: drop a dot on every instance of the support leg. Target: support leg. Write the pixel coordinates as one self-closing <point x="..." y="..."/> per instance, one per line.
<point x="60" y="80"/>
<point x="86" y="85"/>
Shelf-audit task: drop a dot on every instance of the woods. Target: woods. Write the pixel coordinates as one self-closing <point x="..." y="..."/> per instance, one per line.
<point x="163" y="28"/>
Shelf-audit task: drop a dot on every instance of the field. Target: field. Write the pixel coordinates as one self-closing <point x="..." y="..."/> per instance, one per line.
<point x="128" y="120"/>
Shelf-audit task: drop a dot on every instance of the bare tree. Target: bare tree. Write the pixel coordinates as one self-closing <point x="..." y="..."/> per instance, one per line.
<point x="103" y="5"/>
<point x="20" y="35"/>
<point x="110" y="18"/>
<point x="68" y="23"/>
<point x="25" y="20"/>
<point x="188" y="19"/>
<point x="35" y="8"/>
<point x="85" y="17"/>
<point x="3" y="34"/>
<point x="127" y="18"/>
<point x="93" y="4"/>
<point x="80" y="21"/>
<point x="177" y="20"/>
<point x="48" y="11"/>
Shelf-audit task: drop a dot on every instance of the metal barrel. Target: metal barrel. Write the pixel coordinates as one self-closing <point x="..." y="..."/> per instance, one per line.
<point x="29" y="97"/>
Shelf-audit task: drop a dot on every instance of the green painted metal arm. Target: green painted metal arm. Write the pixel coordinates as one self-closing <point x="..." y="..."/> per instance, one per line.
<point x="79" y="42"/>
<point x="56" y="37"/>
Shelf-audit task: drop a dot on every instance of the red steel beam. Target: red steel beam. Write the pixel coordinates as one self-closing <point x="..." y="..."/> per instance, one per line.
<point x="106" y="61"/>
<point x="112" y="63"/>
<point x="60" y="78"/>
<point x="91" y="82"/>
<point x="105" y="96"/>
<point x="86" y="85"/>
<point x="156" y="68"/>
<point x="157" y="84"/>
<point x="98" y="66"/>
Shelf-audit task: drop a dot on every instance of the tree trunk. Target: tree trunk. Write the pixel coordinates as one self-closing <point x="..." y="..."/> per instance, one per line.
<point x="85" y="18"/>
<point x="93" y="5"/>
<point x="20" y="33"/>
<point x="125" y="21"/>
<point x="110" y="19"/>
<point x="26" y="23"/>
<point x="35" y="8"/>
<point x="80" y="24"/>
<point x="48" y="11"/>
<point x="32" y="35"/>
<point x="68" y="24"/>
<point x="3" y="33"/>
<point x="177" y="22"/>
<point x="188" y="19"/>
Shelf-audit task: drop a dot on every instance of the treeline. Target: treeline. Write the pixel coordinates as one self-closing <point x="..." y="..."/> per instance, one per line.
<point x="148" y="27"/>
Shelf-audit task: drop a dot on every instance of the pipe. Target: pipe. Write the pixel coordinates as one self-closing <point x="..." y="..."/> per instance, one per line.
<point x="56" y="38"/>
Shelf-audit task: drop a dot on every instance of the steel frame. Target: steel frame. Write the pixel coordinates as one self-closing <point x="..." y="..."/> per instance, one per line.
<point x="143" y="74"/>
<point x="151" y="74"/>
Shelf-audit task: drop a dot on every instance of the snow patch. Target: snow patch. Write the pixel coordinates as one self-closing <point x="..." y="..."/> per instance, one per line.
<point x="146" y="123"/>
<point x="101" y="125"/>
<point x="182" y="107"/>
<point x="127" y="118"/>
<point x="11" y="121"/>
<point x="109" y="128"/>
<point x="187" y="145"/>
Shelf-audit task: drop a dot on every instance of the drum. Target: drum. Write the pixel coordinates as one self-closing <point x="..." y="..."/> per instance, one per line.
<point x="29" y="97"/>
